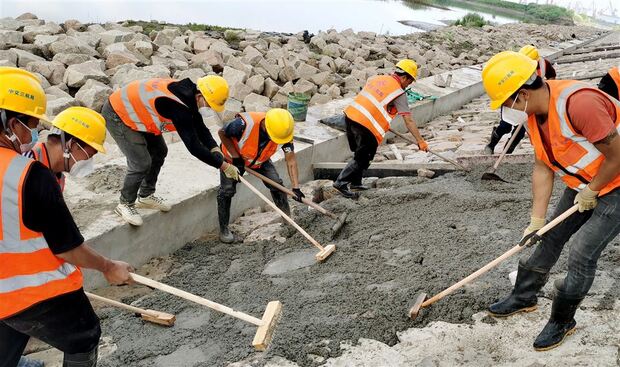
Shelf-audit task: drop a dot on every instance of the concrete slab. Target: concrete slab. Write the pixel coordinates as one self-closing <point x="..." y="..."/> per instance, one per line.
<point x="289" y="262"/>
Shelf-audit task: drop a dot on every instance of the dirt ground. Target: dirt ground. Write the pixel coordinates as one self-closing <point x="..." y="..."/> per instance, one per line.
<point x="406" y="236"/>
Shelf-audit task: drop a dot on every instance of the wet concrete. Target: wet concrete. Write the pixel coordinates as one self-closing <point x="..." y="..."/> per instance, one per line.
<point x="411" y="235"/>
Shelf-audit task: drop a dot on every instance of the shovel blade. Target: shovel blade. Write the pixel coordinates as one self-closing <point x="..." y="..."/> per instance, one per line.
<point x="491" y="176"/>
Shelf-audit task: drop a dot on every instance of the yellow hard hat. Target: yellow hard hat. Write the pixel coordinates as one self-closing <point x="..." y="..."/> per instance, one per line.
<point x="83" y="123"/>
<point x="280" y="125"/>
<point x="409" y="67"/>
<point x="530" y="51"/>
<point x="505" y="73"/>
<point x="215" y="90"/>
<point x="21" y="92"/>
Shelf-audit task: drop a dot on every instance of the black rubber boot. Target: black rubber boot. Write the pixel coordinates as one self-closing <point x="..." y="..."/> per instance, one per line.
<point x="561" y="323"/>
<point x="343" y="188"/>
<point x="88" y="359"/>
<point x="223" y="215"/>
<point x="281" y="201"/>
<point x="348" y="173"/>
<point x="359" y="187"/>
<point x="523" y="297"/>
<point x="495" y="138"/>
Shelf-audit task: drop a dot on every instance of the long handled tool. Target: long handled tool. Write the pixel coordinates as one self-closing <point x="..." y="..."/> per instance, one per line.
<point x="452" y="161"/>
<point x="266" y="325"/>
<point x="156" y="317"/>
<point x="422" y="302"/>
<point x="340" y="220"/>
<point x="490" y="174"/>
<point x="324" y="251"/>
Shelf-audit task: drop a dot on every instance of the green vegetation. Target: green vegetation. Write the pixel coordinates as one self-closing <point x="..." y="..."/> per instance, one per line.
<point x="148" y="27"/>
<point x="472" y="20"/>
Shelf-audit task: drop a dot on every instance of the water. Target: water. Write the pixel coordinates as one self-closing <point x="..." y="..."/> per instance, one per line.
<point x="268" y="15"/>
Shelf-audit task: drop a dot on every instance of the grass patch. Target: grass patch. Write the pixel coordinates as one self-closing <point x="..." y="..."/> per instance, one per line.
<point x="149" y="26"/>
<point x="471" y="20"/>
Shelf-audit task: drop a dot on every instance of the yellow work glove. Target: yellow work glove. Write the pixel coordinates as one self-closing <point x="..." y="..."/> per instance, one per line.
<point x="587" y="199"/>
<point x="230" y="171"/>
<point x="529" y="234"/>
<point x="423" y="145"/>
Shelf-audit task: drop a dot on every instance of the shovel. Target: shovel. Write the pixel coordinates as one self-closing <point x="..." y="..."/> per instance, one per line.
<point x="340" y="220"/>
<point x="422" y="302"/>
<point x="490" y="174"/>
<point x="452" y="161"/>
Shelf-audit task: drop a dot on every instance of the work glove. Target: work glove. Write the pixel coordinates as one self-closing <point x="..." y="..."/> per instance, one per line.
<point x="529" y="234"/>
<point x="230" y="171"/>
<point x="587" y="199"/>
<point x="240" y="164"/>
<point x="298" y="195"/>
<point x="423" y="145"/>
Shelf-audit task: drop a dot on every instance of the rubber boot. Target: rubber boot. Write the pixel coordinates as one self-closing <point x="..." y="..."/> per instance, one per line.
<point x="523" y="297"/>
<point x="88" y="359"/>
<point x="342" y="182"/>
<point x="281" y="202"/>
<point x="561" y="323"/>
<point x="495" y="138"/>
<point x="223" y="215"/>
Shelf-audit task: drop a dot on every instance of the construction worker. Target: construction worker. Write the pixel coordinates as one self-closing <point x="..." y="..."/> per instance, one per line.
<point x="249" y="141"/>
<point x="574" y="131"/>
<point x="136" y="116"/>
<point x="42" y="250"/>
<point x="368" y="118"/>
<point x="545" y="70"/>
<point x="610" y="82"/>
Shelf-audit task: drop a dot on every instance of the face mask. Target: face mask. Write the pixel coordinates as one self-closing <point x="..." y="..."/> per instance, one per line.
<point x="204" y="112"/>
<point x="514" y="117"/>
<point x="82" y="168"/>
<point x="34" y="138"/>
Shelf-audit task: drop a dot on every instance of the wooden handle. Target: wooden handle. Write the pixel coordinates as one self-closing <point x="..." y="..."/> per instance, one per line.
<point x="122" y="305"/>
<point x="503" y="257"/>
<point x="451" y="161"/>
<point x="196" y="299"/>
<point x="286" y="217"/>
<point x="505" y="151"/>
<point x="290" y="192"/>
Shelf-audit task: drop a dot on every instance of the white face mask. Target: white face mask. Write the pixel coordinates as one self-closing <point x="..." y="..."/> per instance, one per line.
<point x="204" y="112"/>
<point x="34" y="138"/>
<point x="514" y="117"/>
<point x="82" y="168"/>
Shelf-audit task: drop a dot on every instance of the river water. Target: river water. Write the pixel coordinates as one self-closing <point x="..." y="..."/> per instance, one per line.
<point x="267" y="15"/>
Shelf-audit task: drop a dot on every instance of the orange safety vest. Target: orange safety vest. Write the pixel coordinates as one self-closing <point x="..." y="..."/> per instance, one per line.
<point x="41" y="155"/>
<point x="370" y="106"/>
<point x="615" y="75"/>
<point x="135" y="105"/>
<point x="572" y="157"/>
<point x="248" y="145"/>
<point x="29" y="272"/>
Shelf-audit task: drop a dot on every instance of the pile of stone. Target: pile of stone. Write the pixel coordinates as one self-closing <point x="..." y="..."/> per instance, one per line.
<point x="82" y="64"/>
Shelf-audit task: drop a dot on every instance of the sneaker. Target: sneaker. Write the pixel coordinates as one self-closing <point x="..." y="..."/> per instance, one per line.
<point x="129" y="213"/>
<point x="153" y="202"/>
<point x="28" y="362"/>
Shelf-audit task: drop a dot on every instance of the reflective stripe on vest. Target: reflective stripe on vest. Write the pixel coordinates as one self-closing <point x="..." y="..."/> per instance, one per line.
<point x="248" y="145"/>
<point x="135" y="105"/>
<point x="30" y="272"/>
<point x="41" y="155"/>
<point x="370" y="106"/>
<point x="575" y="159"/>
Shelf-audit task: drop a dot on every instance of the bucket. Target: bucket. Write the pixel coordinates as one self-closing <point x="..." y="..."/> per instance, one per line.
<point x="298" y="105"/>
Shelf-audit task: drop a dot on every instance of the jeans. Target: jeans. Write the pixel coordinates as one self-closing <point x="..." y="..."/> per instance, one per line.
<point x="591" y="231"/>
<point x="67" y="323"/>
<point x="145" y="152"/>
<point x="364" y="145"/>
<point x="228" y="187"/>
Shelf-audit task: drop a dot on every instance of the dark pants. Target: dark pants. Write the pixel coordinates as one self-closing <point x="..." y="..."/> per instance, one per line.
<point x="228" y="187"/>
<point x="67" y="323"/>
<point x="591" y="231"/>
<point x="145" y="154"/>
<point x="505" y="128"/>
<point x="364" y="145"/>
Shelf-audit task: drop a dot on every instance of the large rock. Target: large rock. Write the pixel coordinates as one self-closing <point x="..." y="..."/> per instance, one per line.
<point x="25" y="57"/>
<point x="57" y="105"/>
<point x="305" y="87"/>
<point x="53" y="92"/>
<point x="318" y="42"/>
<point x="53" y="71"/>
<point x="11" y="24"/>
<point x="27" y="16"/>
<point x="73" y="24"/>
<point x="180" y="43"/>
<point x="320" y="78"/>
<point x="222" y="47"/>
<point x="319" y="99"/>
<point x="48" y="28"/>
<point x="256" y="103"/>
<point x="239" y="91"/>
<point x="9" y="57"/>
<point x="201" y="44"/>
<point x="271" y="88"/>
<point x="163" y="39"/>
<point x="271" y="69"/>
<point x="288" y="73"/>
<point x="236" y="63"/>
<point x="10" y="37"/>
<point x="117" y="58"/>
<point x="77" y="74"/>
<point x="43" y="42"/>
<point x="234" y="76"/>
<point x="306" y="71"/>
<point x="352" y="84"/>
<point x="72" y="45"/>
<point x="231" y="108"/>
<point x="211" y="58"/>
<point x="144" y="48"/>
<point x="257" y="83"/>
<point x="332" y="50"/>
<point x="127" y="73"/>
<point x="172" y="64"/>
<point x="251" y="56"/>
<point x="72" y="59"/>
<point x="115" y="35"/>
<point x="193" y="74"/>
<point x="93" y="94"/>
